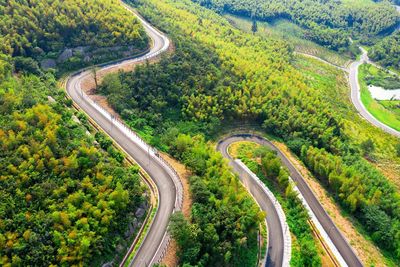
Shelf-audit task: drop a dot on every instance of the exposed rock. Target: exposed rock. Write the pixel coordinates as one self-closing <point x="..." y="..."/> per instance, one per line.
<point x="81" y="49"/>
<point x="51" y="99"/>
<point x="48" y="64"/>
<point x="75" y="119"/>
<point x="65" y="55"/>
<point x="144" y="205"/>
<point x="120" y="248"/>
<point x="108" y="264"/>
<point x="140" y="213"/>
<point x="133" y="225"/>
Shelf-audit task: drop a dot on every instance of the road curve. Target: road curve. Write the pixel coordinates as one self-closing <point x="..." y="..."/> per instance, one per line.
<point x="356" y="91"/>
<point x="356" y="95"/>
<point x="152" y="246"/>
<point x="333" y="232"/>
<point x="276" y="244"/>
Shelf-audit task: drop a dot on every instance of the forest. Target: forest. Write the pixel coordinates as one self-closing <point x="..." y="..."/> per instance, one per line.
<point x="363" y="191"/>
<point x="67" y="196"/>
<point x="224" y="218"/>
<point x="387" y="51"/>
<point x="65" y="201"/>
<point x="221" y="77"/>
<point x="29" y="28"/>
<point x="329" y="22"/>
<point x="42" y="30"/>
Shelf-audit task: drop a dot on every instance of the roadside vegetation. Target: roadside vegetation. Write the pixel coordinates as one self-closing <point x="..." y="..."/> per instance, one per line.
<point x="67" y="196"/>
<point x="48" y="30"/>
<point x="268" y="167"/>
<point x="220" y="76"/>
<point x="370" y="75"/>
<point x="224" y="222"/>
<point x="65" y="199"/>
<point x="378" y="77"/>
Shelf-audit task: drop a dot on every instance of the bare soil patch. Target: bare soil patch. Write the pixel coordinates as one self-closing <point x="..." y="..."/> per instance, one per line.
<point x="170" y="258"/>
<point x="89" y="87"/>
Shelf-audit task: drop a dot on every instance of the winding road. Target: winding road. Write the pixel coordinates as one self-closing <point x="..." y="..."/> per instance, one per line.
<point x="154" y="243"/>
<point x="169" y="189"/>
<point x="339" y="241"/>
<point x="275" y="256"/>
<point x="356" y="91"/>
<point x="356" y="95"/>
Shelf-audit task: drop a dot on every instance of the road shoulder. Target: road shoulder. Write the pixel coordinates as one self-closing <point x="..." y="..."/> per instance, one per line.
<point x="364" y="248"/>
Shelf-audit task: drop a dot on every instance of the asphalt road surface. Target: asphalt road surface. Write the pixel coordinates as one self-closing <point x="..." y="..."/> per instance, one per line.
<point x="163" y="180"/>
<point x="275" y="234"/>
<point x="333" y="232"/>
<point x="145" y="256"/>
<point x="356" y="95"/>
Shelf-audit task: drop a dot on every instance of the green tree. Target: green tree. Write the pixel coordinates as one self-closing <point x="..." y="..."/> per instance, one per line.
<point x="254" y="27"/>
<point x="186" y="238"/>
<point x="368" y="147"/>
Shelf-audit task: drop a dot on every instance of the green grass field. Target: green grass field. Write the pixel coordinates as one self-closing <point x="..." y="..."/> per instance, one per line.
<point x="378" y="77"/>
<point x="392" y="105"/>
<point x="293" y="34"/>
<point x="376" y="108"/>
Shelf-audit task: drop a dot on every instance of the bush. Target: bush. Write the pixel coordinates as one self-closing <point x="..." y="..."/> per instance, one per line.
<point x="26" y="65"/>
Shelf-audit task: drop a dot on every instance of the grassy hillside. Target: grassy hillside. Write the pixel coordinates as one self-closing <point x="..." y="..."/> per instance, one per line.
<point x="293" y="34"/>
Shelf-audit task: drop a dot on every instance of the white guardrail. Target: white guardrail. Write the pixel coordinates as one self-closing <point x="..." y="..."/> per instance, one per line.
<point x="287" y="250"/>
<point x="319" y="227"/>
<point x="282" y="218"/>
<point x="152" y="152"/>
<point x="156" y="157"/>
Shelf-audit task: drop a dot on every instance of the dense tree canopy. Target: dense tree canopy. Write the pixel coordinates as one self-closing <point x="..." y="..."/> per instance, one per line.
<point x="29" y="28"/>
<point x="218" y="75"/>
<point x="387" y="51"/>
<point x="221" y="74"/>
<point x="363" y="191"/>
<point x="64" y="201"/>
<point x="329" y="22"/>
<point x="224" y="219"/>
